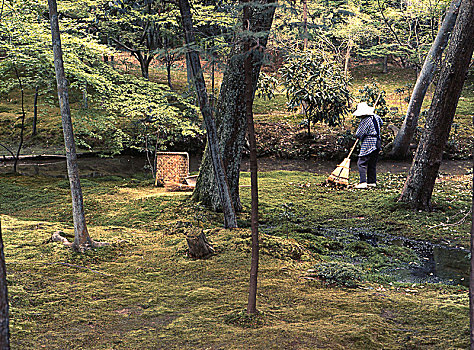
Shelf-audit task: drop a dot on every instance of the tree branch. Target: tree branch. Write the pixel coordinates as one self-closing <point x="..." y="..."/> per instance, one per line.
<point x="8" y="150"/>
<point x="390" y="27"/>
<point x="124" y="46"/>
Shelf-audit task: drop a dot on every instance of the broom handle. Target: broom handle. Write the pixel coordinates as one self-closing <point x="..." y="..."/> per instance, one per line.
<point x="355" y="143"/>
<point x="352" y="149"/>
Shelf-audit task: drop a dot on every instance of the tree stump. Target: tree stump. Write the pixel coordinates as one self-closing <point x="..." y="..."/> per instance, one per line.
<point x="199" y="247"/>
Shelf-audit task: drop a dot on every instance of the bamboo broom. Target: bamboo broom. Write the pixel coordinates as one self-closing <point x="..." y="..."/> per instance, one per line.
<point x="340" y="175"/>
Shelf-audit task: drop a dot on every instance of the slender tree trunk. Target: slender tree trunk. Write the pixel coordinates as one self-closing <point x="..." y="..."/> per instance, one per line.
<point x="82" y="239"/>
<point x="4" y="309"/>
<point x="213" y="143"/>
<point x="35" y="111"/>
<point x="249" y="97"/>
<point x="84" y="97"/>
<point x="168" y="72"/>
<point x="213" y="82"/>
<point x="231" y="117"/>
<point x="385" y="64"/>
<point x="348" y="57"/>
<point x="305" y="24"/>
<point x="401" y="144"/>
<point x="424" y="170"/>
<point x="23" y="117"/>
<point x="471" y="273"/>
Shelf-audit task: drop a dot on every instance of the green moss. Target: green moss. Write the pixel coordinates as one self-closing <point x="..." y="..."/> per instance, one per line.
<point x="143" y="292"/>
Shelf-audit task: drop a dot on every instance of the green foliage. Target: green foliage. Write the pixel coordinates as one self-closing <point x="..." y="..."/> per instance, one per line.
<point x="315" y="83"/>
<point x="266" y="86"/>
<point x="338" y="273"/>
<point x="372" y="94"/>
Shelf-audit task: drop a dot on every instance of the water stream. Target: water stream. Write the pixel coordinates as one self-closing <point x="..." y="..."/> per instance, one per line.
<point x="436" y="263"/>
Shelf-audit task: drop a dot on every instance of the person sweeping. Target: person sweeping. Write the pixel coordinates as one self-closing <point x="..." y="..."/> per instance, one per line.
<point x="368" y="133"/>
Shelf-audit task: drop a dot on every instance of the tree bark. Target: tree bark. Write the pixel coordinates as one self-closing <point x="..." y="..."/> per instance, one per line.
<point x="471" y="272"/>
<point x="385" y="64"/>
<point x="168" y="72"/>
<point x="305" y="24"/>
<point x="23" y="117"/>
<point x="144" y="61"/>
<point x="4" y="309"/>
<point x="401" y="143"/>
<point x="350" y="44"/>
<point x="199" y="247"/>
<point x="189" y="73"/>
<point x="35" y="111"/>
<point x="424" y="170"/>
<point x="249" y="97"/>
<point x="231" y="117"/>
<point x="212" y="140"/>
<point x="82" y="239"/>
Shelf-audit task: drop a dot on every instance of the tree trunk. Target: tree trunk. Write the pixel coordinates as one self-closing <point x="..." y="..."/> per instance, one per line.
<point x="471" y="273"/>
<point x="144" y="64"/>
<point x="213" y="142"/>
<point x="401" y="143"/>
<point x="35" y="111"/>
<point x="385" y="64"/>
<point x="82" y="239"/>
<point x="422" y="175"/>
<point x="84" y="97"/>
<point x="305" y="24"/>
<point x="23" y="117"/>
<point x="4" y="316"/>
<point x="249" y="97"/>
<point x="168" y="72"/>
<point x="231" y="117"/>
<point x="189" y="73"/>
<point x="348" y="57"/>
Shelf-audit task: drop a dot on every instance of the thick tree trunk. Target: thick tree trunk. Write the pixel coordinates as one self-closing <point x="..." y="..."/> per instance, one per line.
<point x="213" y="143"/>
<point x="401" y="143"/>
<point x="4" y="309"/>
<point x="144" y="64"/>
<point x="422" y="175"/>
<point x="82" y="239"/>
<point x="231" y="116"/>
<point x="249" y="97"/>
<point x="35" y="111"/>
<point x="189" y="73"/>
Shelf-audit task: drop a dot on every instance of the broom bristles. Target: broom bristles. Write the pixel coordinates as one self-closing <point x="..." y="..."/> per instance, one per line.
<point x="340" y="175"/>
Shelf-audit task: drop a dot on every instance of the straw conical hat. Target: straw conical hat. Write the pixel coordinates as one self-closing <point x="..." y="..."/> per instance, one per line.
<point x="363" y="109"/>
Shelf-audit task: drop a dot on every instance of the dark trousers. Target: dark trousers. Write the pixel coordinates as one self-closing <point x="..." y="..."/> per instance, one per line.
<point x="368" y="167"/>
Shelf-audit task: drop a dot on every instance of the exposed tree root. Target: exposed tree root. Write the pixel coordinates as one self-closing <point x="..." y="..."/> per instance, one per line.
<point x="57" y="237"/>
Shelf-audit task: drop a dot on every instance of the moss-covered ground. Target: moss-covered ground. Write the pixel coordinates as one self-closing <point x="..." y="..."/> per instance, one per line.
<point x="143" y="292"/>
